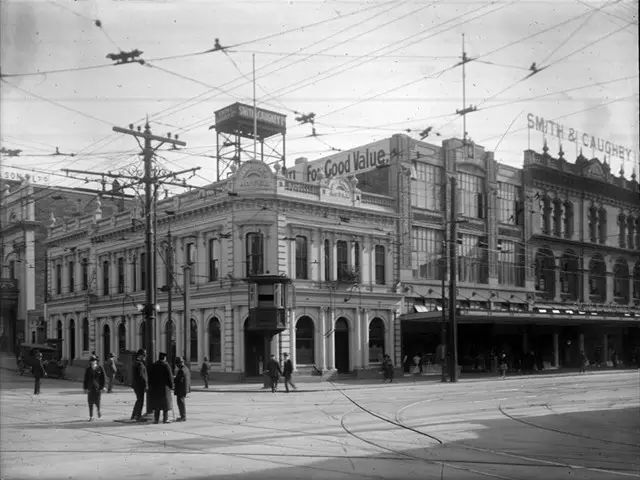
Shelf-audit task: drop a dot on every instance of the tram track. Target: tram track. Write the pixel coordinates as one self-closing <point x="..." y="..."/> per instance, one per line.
<point x="524" y="461"/>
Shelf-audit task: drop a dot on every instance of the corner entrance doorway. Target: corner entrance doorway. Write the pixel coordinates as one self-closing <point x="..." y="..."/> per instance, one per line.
<point x="255" y="350"/>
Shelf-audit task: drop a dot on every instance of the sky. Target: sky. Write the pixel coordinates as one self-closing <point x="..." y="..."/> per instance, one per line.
<point x="367" y="69"/>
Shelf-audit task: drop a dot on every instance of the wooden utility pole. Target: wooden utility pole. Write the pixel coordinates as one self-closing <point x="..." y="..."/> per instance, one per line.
<point x="453" y="327"/>
<point x="150" y="184"/>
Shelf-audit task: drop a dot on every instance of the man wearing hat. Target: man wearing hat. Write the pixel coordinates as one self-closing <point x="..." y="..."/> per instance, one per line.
<point x="110" y="369"/>
<point x="273" y="371"/>
<point x="38" y="372"/>
<point x="140" y="384"/>
<point x="287" y="372"/>
<point x="93" y="385"/>
<point x="160" y="386"/>
<point x="182" y="382"/>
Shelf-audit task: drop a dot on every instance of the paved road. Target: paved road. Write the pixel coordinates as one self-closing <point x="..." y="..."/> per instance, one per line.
<point x="547" y="427"/>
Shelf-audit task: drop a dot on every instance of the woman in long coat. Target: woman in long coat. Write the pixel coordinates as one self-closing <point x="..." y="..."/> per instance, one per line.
<point x="160" y="387"/>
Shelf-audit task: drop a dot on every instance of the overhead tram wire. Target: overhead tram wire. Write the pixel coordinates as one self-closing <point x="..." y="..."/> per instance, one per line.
<point x="420" y="35"/>
<point x="583" y="47"/>
<point x="485" y="54"/>
<point x="199" y="96"/>
<point x="280" y="68"/>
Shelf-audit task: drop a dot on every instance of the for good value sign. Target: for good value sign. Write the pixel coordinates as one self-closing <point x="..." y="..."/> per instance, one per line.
<point x="350" y="162"/>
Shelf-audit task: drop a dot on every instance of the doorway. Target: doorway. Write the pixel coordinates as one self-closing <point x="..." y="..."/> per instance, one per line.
<point x="342" y="345"/>
<point x="106" y="341"/>
<point x="254" y="353"/>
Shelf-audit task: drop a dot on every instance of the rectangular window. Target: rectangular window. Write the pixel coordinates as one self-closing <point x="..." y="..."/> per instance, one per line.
<point x="85" y="274"/>
<point x="327" y="260"/>
<point x="471" y="201"/>
<point x="509" y="204"/>
<point x="343" y="260"/>
<point x="143" y="271"/>
<point x="472" y="256"/>
<point x="12" y="269"/>
<point x="380" y="263"/>
<point x="121" y="275"/>
<point x="105" y="278"/>
<point x="72" y="278"/>
<point x="254" y="252"/>
<point x="301" y="257"/>
<point x="134" y="274"/>
<point x="58" y="279"/>
<point x="426" y="190"/>
<point x="356" y="262"/>
<point x="214" y="255"/>
<point x="427" y="253"/>
<point x="510" y="263"/>
<point x="191" y="260"/>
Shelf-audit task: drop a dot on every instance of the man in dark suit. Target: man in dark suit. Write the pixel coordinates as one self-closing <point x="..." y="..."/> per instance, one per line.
<point x="38" y="372"/>
<point x="274" y="371"/>
<point x="182" y="386"/>
<point x="287" y="372"/>
<point x="140" y="384"/>
<point x="160" y="386"/>
<point x="94" y="379"/>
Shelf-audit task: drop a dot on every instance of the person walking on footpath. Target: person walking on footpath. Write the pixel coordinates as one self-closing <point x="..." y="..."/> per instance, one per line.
<point x="502" y="365"/>
<point x="584" y="362"/>
<point x="274" y="371"/>
<point x="140" y="384"/>
<point x="160" y="386"/>
<point x="204" y="372"/>
<point x="110" y="370"/>
<point x="182" y="387"/>
<point x="387" y="368"/>
<point x="94" y="379"/>
<point x="38" y="372"/>
<point x="287" y="372"/>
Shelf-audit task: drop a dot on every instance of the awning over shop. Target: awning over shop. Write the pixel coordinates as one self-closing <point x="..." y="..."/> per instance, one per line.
<point x="540" y="316"/>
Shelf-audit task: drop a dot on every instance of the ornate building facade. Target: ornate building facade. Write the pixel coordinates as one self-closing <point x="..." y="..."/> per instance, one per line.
<point x="363" y="239"/>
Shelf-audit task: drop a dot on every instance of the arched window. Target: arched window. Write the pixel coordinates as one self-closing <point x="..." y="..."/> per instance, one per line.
<point x="597" y="279"/>
<point x="602" y="225"/>
<point x="636" y="283"/>
<point x="304" y="341"/>
<point x="122" y="337"/>
<point x="194" y="341"/>
<point x="557" y="217"/>
<point x="622" y="227"/>
<point x="106" y="340"/>
<point x="85" y="334"/>
<point x="72" y="339"/>
<point x="545" y="273"/>
<point x="215" y="345"/>
<point x="376" y="341"/>
<point x="546" y="215"/>
<point x="254" y="252"/>
<point x="568" y="220"/>
<point x="621" y="281"/>
<point x="143" y="334"/>
<point x="170" y="341"/>
<point x="569" y="275"/>
<point x="593" y="224"/>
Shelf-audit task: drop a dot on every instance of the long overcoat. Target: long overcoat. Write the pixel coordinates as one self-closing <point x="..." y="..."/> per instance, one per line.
<point x="182" y="381"/>
<point x="160" y="386"/>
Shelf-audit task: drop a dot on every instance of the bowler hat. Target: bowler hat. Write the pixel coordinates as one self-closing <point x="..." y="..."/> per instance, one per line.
<point x="162" y="356"/>
<point x="93" y="358"/>
<point x="110" y="355"/>
<point x="285" y="354"/>
<point x="178" y="359"/>
<point x="141" y="352"/>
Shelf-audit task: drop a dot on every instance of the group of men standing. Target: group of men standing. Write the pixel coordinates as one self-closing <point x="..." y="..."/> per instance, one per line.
<point x="160" y="382"/>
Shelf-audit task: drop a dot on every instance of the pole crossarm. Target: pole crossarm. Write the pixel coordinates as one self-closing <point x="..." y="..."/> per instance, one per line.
<point x="147" y="135"/>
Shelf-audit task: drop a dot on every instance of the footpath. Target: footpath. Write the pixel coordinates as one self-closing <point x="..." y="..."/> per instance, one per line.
<point x="314" y="383"/>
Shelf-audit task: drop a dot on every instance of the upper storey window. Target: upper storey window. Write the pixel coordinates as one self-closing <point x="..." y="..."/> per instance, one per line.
<point x="426" y="191"/>
<point x="471" y="195"/>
